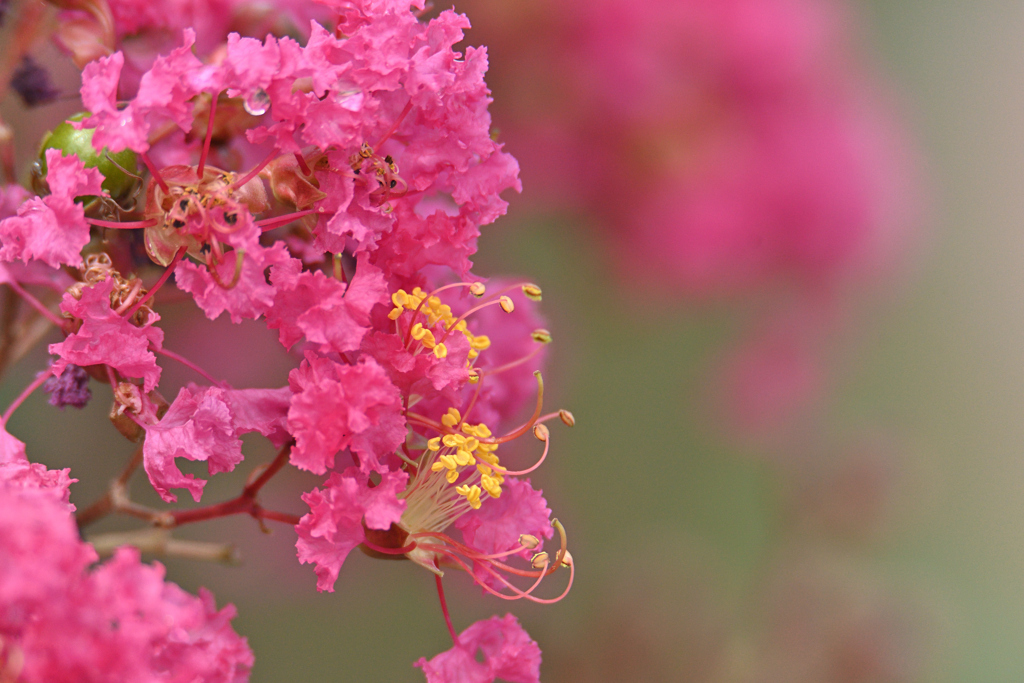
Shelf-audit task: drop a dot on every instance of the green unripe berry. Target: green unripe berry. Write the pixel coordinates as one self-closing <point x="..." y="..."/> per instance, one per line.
<point x="65" y="138"/>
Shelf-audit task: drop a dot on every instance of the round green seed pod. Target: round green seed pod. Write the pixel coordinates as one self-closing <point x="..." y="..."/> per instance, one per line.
<point x="65" y="138"/>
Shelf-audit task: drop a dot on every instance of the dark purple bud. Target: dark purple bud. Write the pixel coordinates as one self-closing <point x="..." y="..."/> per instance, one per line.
<point x="33" y="83"/>
<point x="70" y="389"/>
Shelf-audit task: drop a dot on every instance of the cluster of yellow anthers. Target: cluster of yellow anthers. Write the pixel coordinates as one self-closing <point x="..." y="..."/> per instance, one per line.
<point x="455" y="452"/>
<point x="435" y="312"/>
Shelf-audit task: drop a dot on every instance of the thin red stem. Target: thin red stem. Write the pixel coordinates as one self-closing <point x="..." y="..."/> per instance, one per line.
<point x="36" y="304"/>
<point x="254" y="172"/>
<point x="153" y="172"/>
<point x="244" y="503"/>
<point x="123" y="225"/>
<point x="277" y="221"/>
<point x="159" y="283"/>
<point x="390" y="551"/>
<point x="209" y="137"/>
<point x="533" y="418"/>
<point x="301" y="160"/>
<point x="394" y="127"/>
<point x="501" y="470"/>
<point x="444" y="610"/>
<point x="36" y="383"/>
<point x="186" y="362"/>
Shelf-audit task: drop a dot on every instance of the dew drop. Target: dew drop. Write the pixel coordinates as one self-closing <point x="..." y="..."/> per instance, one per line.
<point x="258" y="103"/>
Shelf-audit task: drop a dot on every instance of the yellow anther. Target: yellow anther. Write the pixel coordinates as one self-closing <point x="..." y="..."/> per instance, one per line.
<point x="540" y="560"/>
<point x="532" y="292"/>
<point x="483" y="431"/>
<point x="471" y="444"/>
<point x="567" y="418"/>
<point x="477" y="289"/>
<point x="491" y="485"/>
<point x="541" y="336"/>
<point x="471" y="493"/>
<point x="541" y="432"/>
<point x="434" y="444"/>
<point x="448" y="461"/>
<point x="395" y="313"/>
<point x="399" y="298"/>
<point x="437" y="467"/>
<point x="449" y="440"/>
<point x="451" y="418"/>
<point x="529" y="541"/>
<point x="452" y="476"/>
<point x="468" y="428"/>
<point x="428" y="339"/>
<point x="463" y="457"/>
<point x="473" y="377"/>
<point x="440" y="350"/>
<point x="506" y="304"/>
<point x="419" y="293"/>
<point x="418" y="331"/>
<point x="484" y="469"/>
<point x="472" y="355"/>
<point x="481" y="343"/>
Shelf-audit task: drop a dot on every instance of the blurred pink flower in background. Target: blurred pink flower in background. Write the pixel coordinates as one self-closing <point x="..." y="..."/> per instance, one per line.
<point x="722" y="150"/>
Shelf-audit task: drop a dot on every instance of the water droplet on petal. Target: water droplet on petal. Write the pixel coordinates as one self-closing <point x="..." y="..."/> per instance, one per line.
<point x="258" y="103"/>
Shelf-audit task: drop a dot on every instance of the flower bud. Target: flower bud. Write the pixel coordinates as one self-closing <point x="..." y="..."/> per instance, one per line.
<point x="117" y="169"/>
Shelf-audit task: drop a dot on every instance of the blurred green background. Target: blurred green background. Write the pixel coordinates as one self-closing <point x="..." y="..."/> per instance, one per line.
<point x="674" y="529"/>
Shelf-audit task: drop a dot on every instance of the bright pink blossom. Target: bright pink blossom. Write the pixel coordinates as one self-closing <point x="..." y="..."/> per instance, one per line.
<point x="52" y="229"/>
<point x="107" y="337"/>
<point x="508" y="654"/>
<point x="163" y="97"/>
<point x="250" y="298"/>
<point x="337" y="406"/>
<point x="334" y="525"/>
<point x="204" y="424"/>
<point x="329" y="314"/>
<point x="63" y="623"/>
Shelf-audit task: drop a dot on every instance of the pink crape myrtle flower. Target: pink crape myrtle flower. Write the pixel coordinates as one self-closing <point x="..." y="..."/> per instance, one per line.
<point x="204" y="424"/>
<point x="331" y="184"/>
<point x="108" y="337"/>
<point x="52" y="229"/>
<point x="339" y="516"/>
<point x="508" y="654"/>
<point x="61" y="621"/>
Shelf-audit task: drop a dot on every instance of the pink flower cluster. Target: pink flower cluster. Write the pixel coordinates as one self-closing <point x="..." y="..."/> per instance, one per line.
<point x="61" y="620"/>
<point x="334" y="188"/>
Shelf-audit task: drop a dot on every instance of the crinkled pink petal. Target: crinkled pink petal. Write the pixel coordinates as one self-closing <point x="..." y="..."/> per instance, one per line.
<point x="424" y="374"/>
<point x="164" y="96"/>
<point x="197" y="426"/>
<point x="508" y="653"/>
<point x="53" y="229"/>
<point x="203" y="424"/>
<point x="328" y="313"/>
<point x="106" y="337"/>
<point x="336" y="406"/>
<point x="261" y="410"/>
<point x="499" y="522"/>
<point x="334" y="525"/>
<point x="250" y="298"/>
